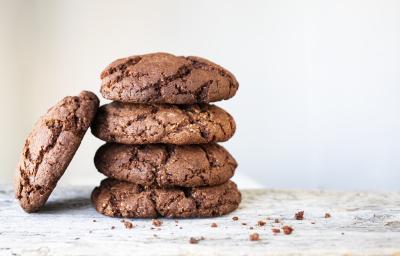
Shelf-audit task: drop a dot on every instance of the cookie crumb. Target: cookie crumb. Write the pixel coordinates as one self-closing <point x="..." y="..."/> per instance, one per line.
<point x="235" y="218"/>
<point x="287" y="230"/>
<point x="194" y="240"/>
<point x="180" y="227"/>
<point x="94" y="220"/>
<point x="251" y="228"/>
<point x="299" y="215"/>
<point x="342" y="233"/>
<point x="157" y="223"/>
<point x="127" y="224"/>
<point x="254" y="237"/>
<point x="214" y="225"/>
<point x="276" y="230"/>
<point x="327" y="215"/>
<point x="261" y="223"/>
<point x="155" y="235"/>
<point x="244" y="223"/>
<point x="277" y="221"/>
<point x="112" y="227"/>
<point x="312" y="222"/>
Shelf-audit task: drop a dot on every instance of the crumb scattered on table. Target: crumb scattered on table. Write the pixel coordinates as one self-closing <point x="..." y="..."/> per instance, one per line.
<point x="277" y="221"/>
<point x="214" y="225"/>
<point x="261" y="223"/>
<point x="157" y="223"/>
<point x="112" y="227"/>
<point x="235" y="218"/>
<point x="287" y="230"/>
<point x="194" y="240"/>
<point x="127" y="224"/>
<point x="276" y="230"/>
<point x="327" y="215"/>
<point x="254" y="237"/>
<point x="299" y="215"/>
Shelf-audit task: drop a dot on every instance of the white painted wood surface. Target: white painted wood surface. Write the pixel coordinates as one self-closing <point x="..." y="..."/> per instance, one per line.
<point x="361" y="224"/>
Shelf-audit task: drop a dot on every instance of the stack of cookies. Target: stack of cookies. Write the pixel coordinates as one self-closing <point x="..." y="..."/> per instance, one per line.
<point x="161" y="156"/>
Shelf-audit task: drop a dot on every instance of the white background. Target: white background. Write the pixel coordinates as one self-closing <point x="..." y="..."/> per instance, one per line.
<point x="318" y="103"/>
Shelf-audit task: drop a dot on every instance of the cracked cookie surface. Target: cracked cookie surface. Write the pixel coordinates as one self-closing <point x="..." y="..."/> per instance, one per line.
<point x="166" y="78"/>
<point x="166" y="165"/>
<point x="50" y="147"/>
<point x="127" y="123"/>
<point x="124" y="199"/>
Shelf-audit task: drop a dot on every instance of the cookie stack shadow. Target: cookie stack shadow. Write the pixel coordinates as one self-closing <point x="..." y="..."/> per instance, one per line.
<point x="161" y="156"/>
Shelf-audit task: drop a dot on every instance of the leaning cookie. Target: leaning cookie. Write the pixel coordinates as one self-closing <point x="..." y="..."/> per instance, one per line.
<point x="50" y="147"/>
<point x="166" y="165"/>
<point x="160" y="123"/>
<point x="124" y="199"/>
<point x="166" y="78"/>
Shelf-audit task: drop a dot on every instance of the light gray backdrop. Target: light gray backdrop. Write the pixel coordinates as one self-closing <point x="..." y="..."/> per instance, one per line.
<point x="318" y="104"/>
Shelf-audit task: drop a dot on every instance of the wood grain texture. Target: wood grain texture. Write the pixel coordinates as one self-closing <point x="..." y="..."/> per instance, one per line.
<point x="362" y="223"/>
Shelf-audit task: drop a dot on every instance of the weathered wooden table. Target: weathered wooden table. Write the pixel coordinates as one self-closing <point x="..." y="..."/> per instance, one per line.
<point x="361" y="223"/>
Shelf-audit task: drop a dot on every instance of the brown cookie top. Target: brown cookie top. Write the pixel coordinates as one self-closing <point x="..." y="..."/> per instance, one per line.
<point x="160" y="123"/>
<point x="166" y="165"/>
<point x="124" y="199"/>
<point x="166" y="78"/>
<point x="50" y="147"/>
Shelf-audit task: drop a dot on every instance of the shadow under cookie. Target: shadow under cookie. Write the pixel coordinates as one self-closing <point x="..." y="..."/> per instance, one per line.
<point x="66" y="205"/>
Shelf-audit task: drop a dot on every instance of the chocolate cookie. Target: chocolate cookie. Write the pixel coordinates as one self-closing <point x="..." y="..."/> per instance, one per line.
<point x="166" y="165"/>
<point x="158" y="123"/>
<point x="165" y="78"/>
<point x="50" y="147"/>
<point x="124" y="199"/>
